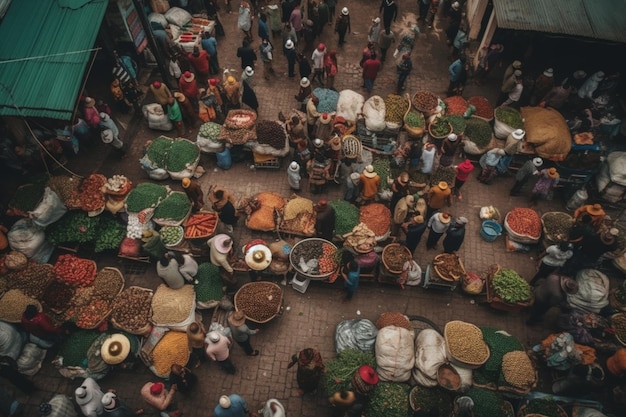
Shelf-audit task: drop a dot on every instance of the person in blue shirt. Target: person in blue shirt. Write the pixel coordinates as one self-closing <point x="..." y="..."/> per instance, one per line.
<point x="209" y="44"/>
<point x="231" y="406"/>
<point x="264" y="30"/>
<point x="351" y="274"/>
<point x="456" y="70"/>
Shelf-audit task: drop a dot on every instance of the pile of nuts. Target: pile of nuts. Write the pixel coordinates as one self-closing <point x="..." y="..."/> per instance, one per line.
<point x="465" y="342"/>
<point x="131" y="309"/>
<point x="260" y="301"/>
<point x="518" y="370"/>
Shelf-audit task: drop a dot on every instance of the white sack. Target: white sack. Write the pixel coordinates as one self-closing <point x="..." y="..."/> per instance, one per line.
<point x="395" y="353"/>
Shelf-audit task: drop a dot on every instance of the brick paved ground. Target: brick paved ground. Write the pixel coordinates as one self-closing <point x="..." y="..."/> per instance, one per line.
<point x="309" y="319"/>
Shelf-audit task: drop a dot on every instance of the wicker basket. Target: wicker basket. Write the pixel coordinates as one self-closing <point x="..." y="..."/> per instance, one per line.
<point x="445" y="277"/>
<point x="120" y="278"/>
<point x="259" y="291"/>
<point x="496" y="302"/>
<point x="414" y="131"/>
<point x="547" y="217"/>
<point x="172" y="222"/>
<point x="14" y="315"/>
<point x="430" y="131"/>
<point x="429" y="111"/>
<point x="215" y="219"/>
<point x="521" y="412"/>
<point x="454" y="360"/>
<point x="351" y="146"/>
<point x="615" y="302"/>
<point x="141" y="331"/>
<point x="385" y="255"/>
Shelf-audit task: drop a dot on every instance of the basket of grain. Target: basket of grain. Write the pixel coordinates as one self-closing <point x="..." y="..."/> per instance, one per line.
<point x="519" y="373"/>
<point x="618" y="322"/>
<point x="108" y="284"/>
<point x="173" y="308"/>
<point x="173" y="348"/>
<point x="13" y="303"/>
<point x="394" y="256"/>
<point x="465" y="346"/>
<point x="131" y="310"/>
<point x="260" y="301"/>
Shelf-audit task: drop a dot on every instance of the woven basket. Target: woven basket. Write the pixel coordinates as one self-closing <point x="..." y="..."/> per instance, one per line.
<point x="430" y="132"/>
<point x="422" y="109"/>
<point x="496" y="302"/>
<point x="172" y="222"/>
<point x="120" y="278"/>
<point x="445" y="277"/>
<point x="259" y="289"/>
<point x="141" y="331"/>
<point x="351" y="146"/>
<point x="547" y="217"/>
<point x="614" y="302"/>
<point x="385" y="255"/>
<point x="454" y="360"/>
<point x="211" y="232"/>
<point x="519" y="238"/>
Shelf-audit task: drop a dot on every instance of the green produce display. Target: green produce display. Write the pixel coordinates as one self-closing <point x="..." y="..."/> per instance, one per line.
<point x="414" y="119"/>
<point x="145" y="195"/>
<point x="487" y="403"/>
<point x="346" y="216"/>
<point x="74" y="349"/>
<point x="544" y="406"/>
<point x="440" y="128"/>
<point x="339" y="371"/>
<point x="509" y="116"/>
<point x="457" y="122"/>
<point x="209" y="286"/>
<point x="181" y="154"/>
<point x="158" y="150"/>
<point x="389" y="399"/>
<point x="110" y="233"/>
<point x="395" y="106"/>
<point x="28" y="196"/>
<point x="478" y="131"/>
<point x="446" y="174"/>
<point x="210" y="130"/>
<point x="174" y="207"/>
<point x="171" y="235"/>
<point x="74" y="227"/>
<point x="382" y="167"/>
<point x="499" y="343"/>
<point x="510" y="286"/>
<point x="432" y="399"/>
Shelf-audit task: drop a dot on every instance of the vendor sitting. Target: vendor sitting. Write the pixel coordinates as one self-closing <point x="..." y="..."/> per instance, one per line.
<point x="319" y="172"/>
<point x="280" y="258"/>
<point x="221" y="246"/>
<point x="224" y="205"/>
<point x="258" y="258"/>
<point x="41" y="326"/>
<point x="595" y="211"/>
<point x="168" y="270"/>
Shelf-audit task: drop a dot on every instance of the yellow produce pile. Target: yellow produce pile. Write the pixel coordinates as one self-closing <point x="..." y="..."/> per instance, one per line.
<point x="296" y="206"/>
<point x="465" y="342"/>
<point x="172" y="306"/>
<point x="518" y="370"/>
<point x="13" y="303"/>
<point x="171" y="349"/>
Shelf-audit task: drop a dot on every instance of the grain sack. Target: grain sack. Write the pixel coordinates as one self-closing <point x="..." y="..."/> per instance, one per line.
<point x="177" y="16"/>
<point x="173" y="308"/>
<point x="350" y="105"/>
<point x="395" y="353"/>
<point x="374" y="113"/>
<point x="430" y="353"/>
<point x="547" y="130"/>
<point x="593" y="291"/>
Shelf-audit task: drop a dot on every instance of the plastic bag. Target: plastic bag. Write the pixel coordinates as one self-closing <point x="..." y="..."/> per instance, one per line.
<point x="593" y="291"/>
<point x="30" y="360"/>
<point x="355" y="334"/>
<point x="30" y="239"/>
<point x="49" y="210"/>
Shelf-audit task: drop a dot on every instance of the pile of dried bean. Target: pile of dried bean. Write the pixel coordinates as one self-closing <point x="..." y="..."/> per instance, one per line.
<point x="557" y="225"/>
<point x="425" y="101"/>
<point x="131" y="309"/>
<point x="32" y="280"/>
<point x="270" y="132"/>
<point x="260" y="301"/>
<point x="465" y="342"/>
<point x="108" y="283"/>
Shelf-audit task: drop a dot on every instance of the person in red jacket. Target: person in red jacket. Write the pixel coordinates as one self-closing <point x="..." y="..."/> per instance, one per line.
<point x="189" y="87"/>
<point x="462" y="174"/>
<point x="370" y="71"/>
<point x="40" y="325"/>
<point x="200" y="60"/>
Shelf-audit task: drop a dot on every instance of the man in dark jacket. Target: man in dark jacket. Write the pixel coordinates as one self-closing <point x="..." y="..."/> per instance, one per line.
<point x="247" y="55"/>
<point x="455" y="236"/>
<point x="325" y="221"/>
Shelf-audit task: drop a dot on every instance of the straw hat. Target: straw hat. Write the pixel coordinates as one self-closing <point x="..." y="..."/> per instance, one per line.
<point x="237" y="318"/>
<point x="518" y="134"/>
<point x="90" y="102"/>
<point x="186" y="182"/>
<point x="304" y="82"/>
<point x="552" y="173"/>
<point x="444" y="218"/>
<point x="335" y="143"/>
<point x="83" y="395"/>
<point x="569" y="285"/>
<point x="549" y="72"/>
<point x="223" y="243"/>
<point x="419" y="219"/>
<point x="318" y="143"/>
<point x="258" y="257"/>
<point x="294" y="167"/>
<point x="443" y="185"/>
<point x="224" y="401"/>
<point x="230" y="79"/>
<point x="325" y="118"/>
<point x="180" y="97"/>
<point x="595" y="210"/>
<point x="608" y="237"/>
<point x="115" y="349"/>
<point x="345" y="11"/>
<point x="289" y="44"/>
<point x="369" y="172"/>
<point x="214" y="337"/>
<point x="249" y="71"/>
<point x="355" y="177"/>
<point x="188" y="76"/>
<point x="377" y="20"/>
<point x="108" y="400"/>
<point x="452" y="137"/>
<point x="537" y="162"/>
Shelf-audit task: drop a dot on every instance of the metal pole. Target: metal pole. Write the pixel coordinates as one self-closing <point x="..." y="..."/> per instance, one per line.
<point x="152" y="42"/>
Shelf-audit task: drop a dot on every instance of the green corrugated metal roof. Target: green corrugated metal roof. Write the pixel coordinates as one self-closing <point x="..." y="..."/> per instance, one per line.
<point x="597" y="19"/>
<point x="58" y="35"/>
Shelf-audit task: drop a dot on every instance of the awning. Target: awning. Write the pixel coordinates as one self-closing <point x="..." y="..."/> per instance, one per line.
<point x="595" y="19"/>
<point x="44" y="52"/>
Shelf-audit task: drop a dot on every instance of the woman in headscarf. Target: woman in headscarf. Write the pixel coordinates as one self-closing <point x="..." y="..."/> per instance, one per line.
<point x="310" y="369"/>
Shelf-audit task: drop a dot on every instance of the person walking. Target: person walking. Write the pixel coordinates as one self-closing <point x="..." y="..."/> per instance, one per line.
<point x="550" y="293"/>
<point x="231" y="406"/>
<point x="89" y="398"/>
<point x="351" y="274"/>
<point x="267" y="57"/>
<point x="318" y="63"/>
<point x="292" y="57"/>
<point x="244" y="20"/>
<point x="369" y="180"/>
<point x="263" y="30"/>
<point x="218" y="349"/>
<point x="548" y="179"/>
<point x="449" y="148"/>
<point x="196" y="333"/>
<point x="111" y="133"/>
<point x="552" y="259"/>
<point x="385" y="40"/>
<point x="403" y="69"/>
<point x="241" y="332"/>
<point x="311" y="112"/>
<point x="295" y="20"/>
<point x="389" y="9"/>
<point x="463" y="170"/>
<point x="374" y="31"/>
<point x="323" y="17"/>
<point x="224" y="204"/>
<point x="370" y="72"/>
<point x="541" y="86"/>
<point x="528" y="169"/>
<point x="488" y="58"/>
<point x="293" y="176"/>
<point x="489" y="162"/>
<point x="455" y="235"/>
<point x="437" y="225"/>
<point x="190" y="115"/>
<point x="342" y="25"/>
<point x="209" y="44"/>
<point x="176" y="116"/>
<point x="414" y="231"/>
<point x="247" y="55"/>
<point x="310" y="369"/>
<point x="331" y="68"/>
<point x="438" y="196"/>
<point x="455" y="70"/>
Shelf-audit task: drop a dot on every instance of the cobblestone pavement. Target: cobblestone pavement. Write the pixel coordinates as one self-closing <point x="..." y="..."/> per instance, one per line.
<point x="309" y="319"/>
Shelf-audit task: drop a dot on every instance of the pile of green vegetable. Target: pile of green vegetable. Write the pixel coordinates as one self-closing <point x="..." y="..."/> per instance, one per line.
<point x="110" y="234"/>
<point x="171" y="235"/>
<point x="510" y="286"/>
<point x="499" y="343"/>
<point x="544" y="406"/>
<point x="209" y="286"/>
<point x="382" y="167"/>
<point x="431" y="399"/>
<point x="210" y="130"/>
<point x="510" y="117"/>
<point x="440" y="128"/>
<point x="446" y="174"/>
<point x="346" y="216"/>
<point x="77" y="227"/>
<point x="28" y="196"/>
<point x="174" y="207"/>
<point x="488" y="403"/>
<point x="181" y="154"/>
<point x="389" y="399"/>
<point x="457" y="122"/>
<point x="395" y="107"/>
<point x="340" y="371"/>
<point x="145" y="195"/>
<point x="74" y="349"/>
<point x="414" y="119"/>
<point x="158" y="149"/>
<point x="478" y="131"/>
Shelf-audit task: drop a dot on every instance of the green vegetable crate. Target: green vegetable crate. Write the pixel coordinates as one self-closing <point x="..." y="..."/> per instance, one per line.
<point x="496" y="302"/>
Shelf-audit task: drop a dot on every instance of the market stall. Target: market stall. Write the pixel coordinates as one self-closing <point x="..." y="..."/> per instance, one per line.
<point x="313" y="259"/>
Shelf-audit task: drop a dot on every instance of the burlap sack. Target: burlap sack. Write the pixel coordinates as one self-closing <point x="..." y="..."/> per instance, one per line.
<point x="547" y="130"/>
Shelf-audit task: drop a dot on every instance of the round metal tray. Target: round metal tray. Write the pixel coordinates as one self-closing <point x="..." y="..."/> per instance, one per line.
<point x="295" y="262"/>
